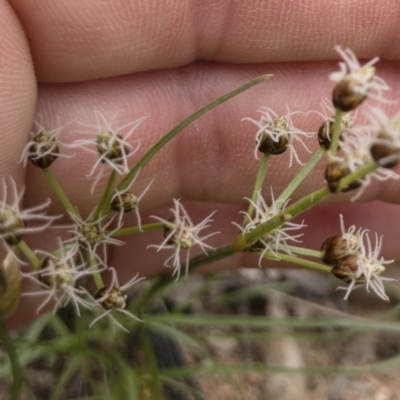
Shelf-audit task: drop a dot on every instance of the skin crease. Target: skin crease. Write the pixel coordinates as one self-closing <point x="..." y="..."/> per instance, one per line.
<point x="164" y="60"/>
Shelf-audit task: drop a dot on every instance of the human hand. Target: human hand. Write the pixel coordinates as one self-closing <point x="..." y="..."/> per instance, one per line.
<point x="164" y="60"/>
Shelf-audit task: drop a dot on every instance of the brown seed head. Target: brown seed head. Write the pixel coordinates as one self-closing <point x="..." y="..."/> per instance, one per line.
<point x="350" y="92"/>
<point x="43" y="150"/>
<point x="111" y="298"/>
<point x="53" y="273"/>
<point x="182" y="235"/>
<point x="111" y="147"/>
<point x="278" y="141"/>
<point x="125" y="202"/>
<point x="334" y="172"/>
<point x="337" y="247"/>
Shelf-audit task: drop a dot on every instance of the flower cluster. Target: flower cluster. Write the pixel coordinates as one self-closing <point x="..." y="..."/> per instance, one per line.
<point x="57" y="277"/>
<point x="277" y="240"/>
<point x="111" y="144"/>
<point x="277" y="133"/>
<point x="113" y="298"/>
<point x="181" y="234"/>
<point x="355" y="260"/>
<point x="354" y="83"/>
<point x="61" y="274"/>
<point x="355" y="153"/>
<point x="73" y="272"/>
<point x="15" y="221"/>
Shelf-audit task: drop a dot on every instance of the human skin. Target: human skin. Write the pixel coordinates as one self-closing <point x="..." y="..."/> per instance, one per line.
<point x="165" y="59"/>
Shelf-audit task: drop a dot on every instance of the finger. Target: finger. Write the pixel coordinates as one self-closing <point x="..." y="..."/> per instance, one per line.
<point x="17" y="92"/>
<point x="213" y="159"/>
<point x="73" y="41"/>
<point x="17" y="104"/>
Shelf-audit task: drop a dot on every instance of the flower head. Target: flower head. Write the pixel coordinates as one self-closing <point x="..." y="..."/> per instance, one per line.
<point x="43" y="147"/>
<point x="14" y="221"/>
<point x="125" y="201"/>
<point x="92" y="234"/>
<point x="111" y="144"/>
<point x="181" y="235"/>
<point x="355" y="154"/>
<point x="355" y="82"/>
<point x="58" y="276"/>
<point x="385" y="140"/>
<point x="277" y="133"/>
<point x="325" y="130"/>
<point x="355" y="260"/>
<point x="342" y="244"/>
<point x="112" y="298"/>
<point x="276" y="240"/>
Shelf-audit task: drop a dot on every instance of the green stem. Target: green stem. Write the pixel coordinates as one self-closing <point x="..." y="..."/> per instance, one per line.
<point x="135" y="229"/>
<point x="104" y="204"/>
<point x="29" y="254"/>
<point x="16" y="368"/>
<point x="262" y="171"/>
<point x="98" y="280"/>
<point x="337" y="127"/>
<point x="59" y="192"/>
<point x="172" y="133"/>
<point x="304" y="252"/>
<point x="296" y="260"/>
<point x="84" y="257"/>
<point x="300" y="176"/>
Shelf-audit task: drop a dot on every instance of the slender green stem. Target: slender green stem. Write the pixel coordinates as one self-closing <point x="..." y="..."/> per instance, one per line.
<point x="104" y="205"/>
<point x="262" y="171"/>
<point x="172" y="133"/>
<point x="136" y="229"/>
<point x="16" y="368"/>
<point x="59" y="192"/>
<point x="98" y="280"/>
<point x="337" y="127"/>
<point x="300" y="176"/>
<point x="29" y="254"/>
<point x="304" y="252"/>
<point x="85" y="258"/>
<point x="296" y="260"/>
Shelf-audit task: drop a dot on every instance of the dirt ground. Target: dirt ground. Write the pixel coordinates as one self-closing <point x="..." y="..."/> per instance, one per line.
<point x="363" y="364"/>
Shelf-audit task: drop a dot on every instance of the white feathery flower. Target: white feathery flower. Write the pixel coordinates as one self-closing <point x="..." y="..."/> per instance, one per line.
<point x="58" y="276"/>
<point x="325" y="130"/>
<point x="43" y="147"/>
<point x="276" y="240"/>
<point x="181" y="235"/>
<point x="124" y="201"/>
<point x="355" y="154"/>
<point x="385" y="140"/>
<point x="112" y="298"/>
<point x="110" y="143"/>
<point x="277" y="133"/>
<point x="92" y="235"/>
<point x="364" y="268"/>
<point x="354" y="82"/>
<point x="13" y="220"/>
